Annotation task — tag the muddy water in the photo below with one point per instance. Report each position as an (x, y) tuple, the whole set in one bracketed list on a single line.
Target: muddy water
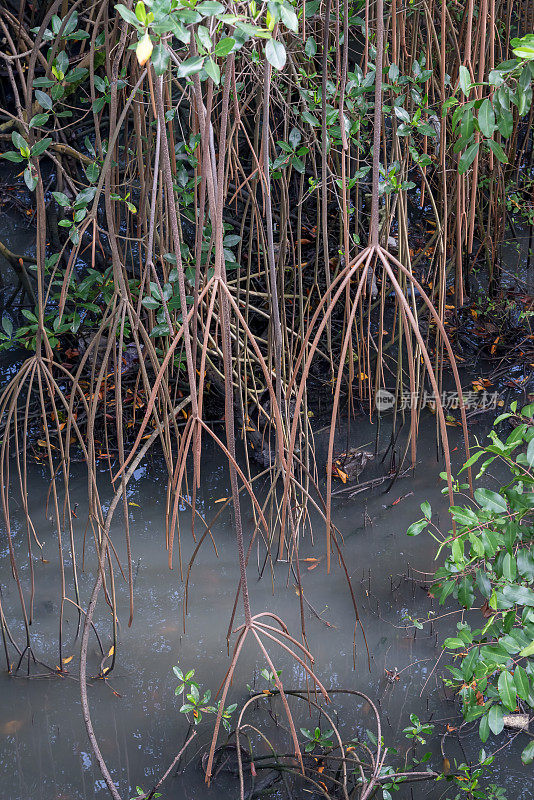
[(44, 752)]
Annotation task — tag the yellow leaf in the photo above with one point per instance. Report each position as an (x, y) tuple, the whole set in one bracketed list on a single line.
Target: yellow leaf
[(144, 48), (68, 660), (134, 504), (221, 500), (111, 650)]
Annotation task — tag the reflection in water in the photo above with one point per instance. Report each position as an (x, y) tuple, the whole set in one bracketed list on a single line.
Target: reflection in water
[(44, 752)]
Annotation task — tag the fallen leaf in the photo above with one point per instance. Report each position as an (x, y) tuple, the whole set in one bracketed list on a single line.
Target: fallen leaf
[(11, 727), (341, 474)]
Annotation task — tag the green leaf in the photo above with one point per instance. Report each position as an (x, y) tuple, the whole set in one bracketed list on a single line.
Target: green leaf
[(61, 199), (40, 146), (310, 119), (231, 240), (416, 527), (527, 756), (44, 100), (160, 59), (525, 564), (426, 509), (99, 104), (18, 141), (505, 122), (275, 52), (310, 48), (212, 70), (466, 595), (7, 325), (38, 120), (160, 330), (507, 690), (92, 171), (425, 129), (150, 302), (209, 8), (128, 16), (491, 500), (495, 719), (484, 728), (70, 24), (76, 75), (483, 583), (45, 83), (30, 179), (486, 118), (526, 51), (11, 155), (509, 567), (522, 683), (467, 158), (512, 594), (497, 150), (401, 113), (465, 516), (204, 37), (457, 551), (453, 643), (530, 453), (528, 650), (224, 47), (140, 12), (190, 66), (393, 73), (289, 18), (465, 80)]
